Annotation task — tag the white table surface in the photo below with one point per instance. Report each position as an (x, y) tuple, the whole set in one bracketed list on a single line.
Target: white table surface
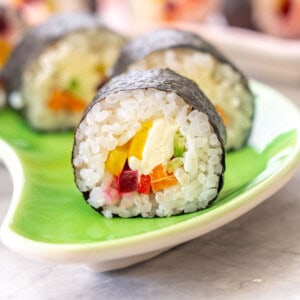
[(255, 257)]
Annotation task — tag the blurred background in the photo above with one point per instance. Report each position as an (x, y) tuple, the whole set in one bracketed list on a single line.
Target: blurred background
[(276, 17), (261, 36)]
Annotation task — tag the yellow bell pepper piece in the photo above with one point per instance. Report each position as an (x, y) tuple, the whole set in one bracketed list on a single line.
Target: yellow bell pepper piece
[(117, 159)]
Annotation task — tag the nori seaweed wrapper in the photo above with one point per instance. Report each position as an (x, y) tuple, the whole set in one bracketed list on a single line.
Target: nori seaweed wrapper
[(38, 39), (168, 81), (163, 39)]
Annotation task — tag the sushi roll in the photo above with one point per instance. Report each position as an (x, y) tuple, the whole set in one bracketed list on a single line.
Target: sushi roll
[(278, 17), (149, 144), (191, 56), (35, 12), (57, 67), (172, 10)]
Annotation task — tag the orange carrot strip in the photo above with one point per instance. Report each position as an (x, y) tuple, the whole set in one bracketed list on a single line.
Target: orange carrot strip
[(163, 183), (157, 173), (160, 179), (64, 100), (222, 114)]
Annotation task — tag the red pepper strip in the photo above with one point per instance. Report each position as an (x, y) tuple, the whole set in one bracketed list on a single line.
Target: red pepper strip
[(144, 184)]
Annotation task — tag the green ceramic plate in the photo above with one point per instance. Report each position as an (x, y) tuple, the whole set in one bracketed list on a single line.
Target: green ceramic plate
[(48, 218)]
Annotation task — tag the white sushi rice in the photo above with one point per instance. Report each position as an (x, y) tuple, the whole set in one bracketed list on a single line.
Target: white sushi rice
[(219, 81), (76, 56), (112, 123)]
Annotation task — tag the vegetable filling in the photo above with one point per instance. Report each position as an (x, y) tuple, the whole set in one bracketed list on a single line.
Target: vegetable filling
[(146, 163)]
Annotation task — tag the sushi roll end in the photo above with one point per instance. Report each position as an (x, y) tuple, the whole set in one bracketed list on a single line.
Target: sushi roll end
[(57, 67), (149, 144)]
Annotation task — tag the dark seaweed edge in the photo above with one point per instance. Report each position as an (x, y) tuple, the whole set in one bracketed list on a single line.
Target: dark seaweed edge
[(168, 81), (162, 39)]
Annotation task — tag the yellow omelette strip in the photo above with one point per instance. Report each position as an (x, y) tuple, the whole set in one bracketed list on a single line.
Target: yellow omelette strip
[(138, 142)]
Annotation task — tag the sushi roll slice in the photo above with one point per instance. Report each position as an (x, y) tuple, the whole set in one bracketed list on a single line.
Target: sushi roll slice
[(191, 56), (278, 17), (57, 67), (149, 144)]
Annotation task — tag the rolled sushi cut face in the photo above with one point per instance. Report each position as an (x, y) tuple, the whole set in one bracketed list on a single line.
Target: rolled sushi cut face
[(190, 56), (59, 84), (57, 68), (146, 151)]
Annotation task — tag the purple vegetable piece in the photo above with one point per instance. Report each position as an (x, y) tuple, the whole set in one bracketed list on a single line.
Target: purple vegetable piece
[(128, 181)]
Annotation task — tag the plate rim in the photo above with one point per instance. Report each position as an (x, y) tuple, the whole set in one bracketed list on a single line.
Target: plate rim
[(145, 242)]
